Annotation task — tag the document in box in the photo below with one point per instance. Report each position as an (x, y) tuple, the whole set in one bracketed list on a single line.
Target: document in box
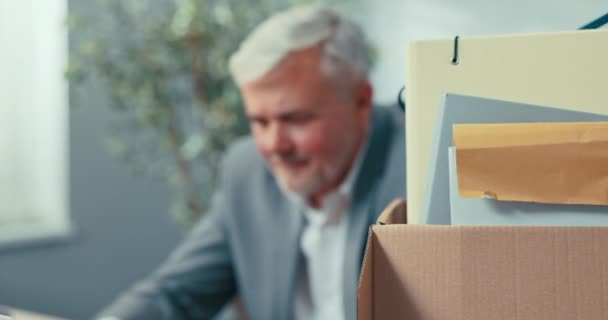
[(460, 109), (475, 211), (562, 69), (563, 163)]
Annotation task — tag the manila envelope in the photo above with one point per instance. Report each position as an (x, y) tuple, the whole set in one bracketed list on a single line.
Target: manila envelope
[(560, 163)]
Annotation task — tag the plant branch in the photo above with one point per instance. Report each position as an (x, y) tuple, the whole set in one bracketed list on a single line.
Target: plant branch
[(182, 164)]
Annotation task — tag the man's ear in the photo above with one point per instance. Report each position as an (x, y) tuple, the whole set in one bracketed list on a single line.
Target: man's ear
[(364, 97), (365, 94), (363, 103)]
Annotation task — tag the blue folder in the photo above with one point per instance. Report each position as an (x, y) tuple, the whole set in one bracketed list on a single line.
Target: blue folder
[(459, 109)]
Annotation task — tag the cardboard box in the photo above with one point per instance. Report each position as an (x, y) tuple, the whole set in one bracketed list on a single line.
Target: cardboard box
[(428, 272)]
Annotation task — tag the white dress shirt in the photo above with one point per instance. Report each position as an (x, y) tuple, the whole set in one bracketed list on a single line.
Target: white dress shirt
[(319, 294)]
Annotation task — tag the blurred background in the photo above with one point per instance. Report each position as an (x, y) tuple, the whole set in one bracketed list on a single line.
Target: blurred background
[(114, 115)]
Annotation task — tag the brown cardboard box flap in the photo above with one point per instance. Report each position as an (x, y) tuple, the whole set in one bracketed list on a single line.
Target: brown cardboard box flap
[(427, 272), (563, 163), (394, 213), (365, 290)]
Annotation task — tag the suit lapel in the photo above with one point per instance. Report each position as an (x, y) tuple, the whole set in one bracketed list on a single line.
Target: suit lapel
[(288, 229), (363, 205)]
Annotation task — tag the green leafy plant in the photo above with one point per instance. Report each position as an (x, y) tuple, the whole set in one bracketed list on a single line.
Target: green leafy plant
[(164, 67)]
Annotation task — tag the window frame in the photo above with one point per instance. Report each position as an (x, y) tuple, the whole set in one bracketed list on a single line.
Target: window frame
[(43, 179)]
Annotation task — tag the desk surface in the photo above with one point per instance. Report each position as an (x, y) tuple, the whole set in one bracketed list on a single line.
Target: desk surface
[(17, 314)]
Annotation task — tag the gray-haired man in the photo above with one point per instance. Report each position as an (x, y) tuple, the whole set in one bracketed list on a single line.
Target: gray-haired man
[(287, 229)]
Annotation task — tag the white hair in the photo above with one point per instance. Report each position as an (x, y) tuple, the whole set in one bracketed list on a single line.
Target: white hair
[(345, 48)]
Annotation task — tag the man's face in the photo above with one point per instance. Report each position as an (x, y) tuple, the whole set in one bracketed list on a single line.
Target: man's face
[(307, 129)]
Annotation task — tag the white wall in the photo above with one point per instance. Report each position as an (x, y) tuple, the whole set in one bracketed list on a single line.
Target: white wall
[(391, 24)]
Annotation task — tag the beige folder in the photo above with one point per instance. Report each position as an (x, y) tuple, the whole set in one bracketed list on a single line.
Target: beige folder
[(567, 70)]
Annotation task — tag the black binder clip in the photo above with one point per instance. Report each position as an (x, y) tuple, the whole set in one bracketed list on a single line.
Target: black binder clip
[(455, 57)]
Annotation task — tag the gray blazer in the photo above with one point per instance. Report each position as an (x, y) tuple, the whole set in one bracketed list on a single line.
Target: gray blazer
[(249, 241)]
